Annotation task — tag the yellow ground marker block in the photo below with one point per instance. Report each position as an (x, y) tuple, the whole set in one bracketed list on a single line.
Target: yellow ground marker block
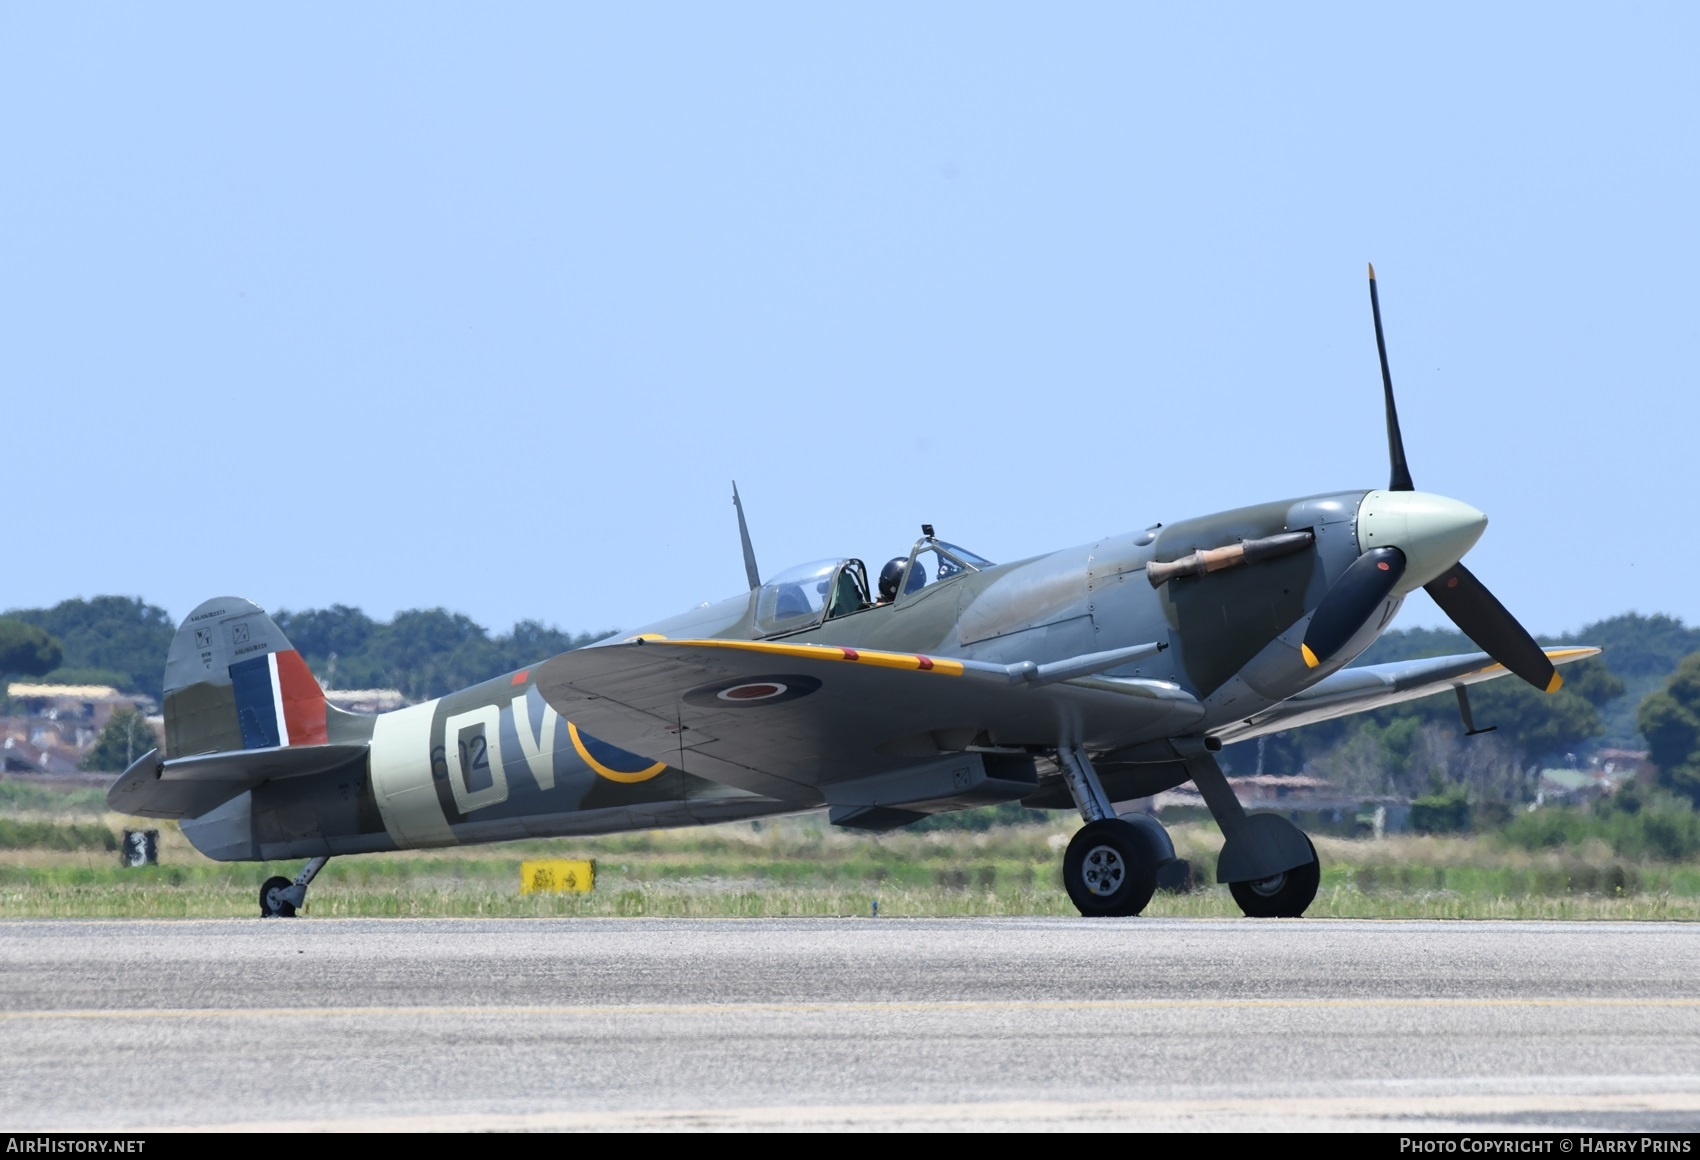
[(557, 876)]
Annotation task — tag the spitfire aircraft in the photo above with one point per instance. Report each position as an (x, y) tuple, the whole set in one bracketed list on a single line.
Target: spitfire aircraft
[(1093, 675)]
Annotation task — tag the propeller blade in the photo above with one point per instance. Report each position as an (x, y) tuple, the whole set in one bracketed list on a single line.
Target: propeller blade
[(1496, 632), (1352, 600), (1395, 441)]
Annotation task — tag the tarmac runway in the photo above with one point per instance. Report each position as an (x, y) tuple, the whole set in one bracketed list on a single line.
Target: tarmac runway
[(853, 1023)]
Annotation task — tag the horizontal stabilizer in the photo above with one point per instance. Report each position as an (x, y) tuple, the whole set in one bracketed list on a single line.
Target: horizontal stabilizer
[(186, 787)]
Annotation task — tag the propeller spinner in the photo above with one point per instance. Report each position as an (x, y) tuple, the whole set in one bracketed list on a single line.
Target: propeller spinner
[(1412, 538)]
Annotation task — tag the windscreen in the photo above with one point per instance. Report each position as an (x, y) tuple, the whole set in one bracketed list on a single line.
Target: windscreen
[(796, 597)]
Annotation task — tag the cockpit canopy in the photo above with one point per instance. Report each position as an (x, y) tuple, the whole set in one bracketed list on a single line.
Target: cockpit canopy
[(933, 562), (809, 594)]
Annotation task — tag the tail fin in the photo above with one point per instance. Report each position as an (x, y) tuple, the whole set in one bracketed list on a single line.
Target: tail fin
[(232, 681)]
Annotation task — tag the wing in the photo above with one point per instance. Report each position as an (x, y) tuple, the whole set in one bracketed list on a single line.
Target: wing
[(1359, 690), (187, 787), (786, 720)]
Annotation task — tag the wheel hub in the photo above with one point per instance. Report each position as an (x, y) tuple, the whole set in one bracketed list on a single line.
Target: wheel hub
[(1103, 871), (1269, 887)]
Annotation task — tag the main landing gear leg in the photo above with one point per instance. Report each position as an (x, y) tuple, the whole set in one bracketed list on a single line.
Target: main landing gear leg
[(1269, 865), (281, 898), (1110, 867)]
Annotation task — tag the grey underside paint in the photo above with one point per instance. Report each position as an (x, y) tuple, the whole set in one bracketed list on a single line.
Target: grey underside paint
[(277, 822)]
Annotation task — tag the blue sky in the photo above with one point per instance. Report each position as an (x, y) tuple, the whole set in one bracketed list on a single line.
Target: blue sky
[(414, 305)]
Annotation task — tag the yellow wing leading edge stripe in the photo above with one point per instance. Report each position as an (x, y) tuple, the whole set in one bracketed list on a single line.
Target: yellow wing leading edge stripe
[(1557, 656), (914, 662), (923, 663)]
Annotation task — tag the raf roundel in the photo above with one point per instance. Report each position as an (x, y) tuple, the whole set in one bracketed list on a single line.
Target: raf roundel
[(748, 692), (753, 691)]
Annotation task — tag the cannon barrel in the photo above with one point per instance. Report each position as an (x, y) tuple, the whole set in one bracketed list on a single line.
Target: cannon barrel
[(1230, 556)]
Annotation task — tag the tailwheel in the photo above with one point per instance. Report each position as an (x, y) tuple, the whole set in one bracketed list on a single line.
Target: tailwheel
[(1109, 869), (1283, 895), (274, 902)]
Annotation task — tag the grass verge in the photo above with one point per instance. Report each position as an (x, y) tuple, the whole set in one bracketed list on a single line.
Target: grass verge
[(802, 867)]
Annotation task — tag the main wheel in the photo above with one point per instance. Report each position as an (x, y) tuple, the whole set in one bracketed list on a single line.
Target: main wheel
[(1109, 869), (272, 902), (1285, 895)]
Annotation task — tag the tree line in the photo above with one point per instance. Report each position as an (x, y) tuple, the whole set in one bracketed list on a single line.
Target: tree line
[(1641, 693), (424, 652)]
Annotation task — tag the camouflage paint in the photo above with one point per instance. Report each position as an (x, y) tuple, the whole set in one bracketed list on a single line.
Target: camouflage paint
[(488, 763), (497, 762)]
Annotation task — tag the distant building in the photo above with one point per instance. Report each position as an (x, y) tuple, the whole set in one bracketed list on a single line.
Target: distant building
[(91, 705), (19, 756), (59, 724), (1621, 762), (1261, 789), (1312, 802), (54, 726)]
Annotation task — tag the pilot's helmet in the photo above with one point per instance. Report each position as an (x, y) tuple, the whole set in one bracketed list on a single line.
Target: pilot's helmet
[(889, 576)]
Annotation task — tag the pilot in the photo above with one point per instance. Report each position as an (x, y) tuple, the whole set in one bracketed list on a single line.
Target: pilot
[(889, 577), (917, 576)]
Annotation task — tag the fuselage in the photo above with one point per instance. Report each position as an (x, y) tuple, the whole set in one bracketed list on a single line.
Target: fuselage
[(1226, 634), (495, 762)]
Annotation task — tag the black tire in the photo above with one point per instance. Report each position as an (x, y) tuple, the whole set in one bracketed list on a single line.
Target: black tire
[(271, 904), (1286, 895), (1109, 869)]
